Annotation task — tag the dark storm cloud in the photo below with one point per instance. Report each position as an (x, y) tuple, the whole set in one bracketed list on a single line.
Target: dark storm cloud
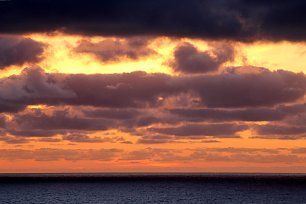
[(39, 123), (32, 86), (226, 130), (297, 118), (136, 89), (238, 19), (214, 114), (83, 138), (58, 120), (114, 50), (113, 113), (75, 123), (230, 89), (11, 107), (234, 89), (280, 130), (291, 127), (18, 51), (188, 59), (292, 114), (3, 120), (129, 118)]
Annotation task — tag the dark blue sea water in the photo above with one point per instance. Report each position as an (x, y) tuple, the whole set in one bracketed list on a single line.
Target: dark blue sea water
[(152, 188)]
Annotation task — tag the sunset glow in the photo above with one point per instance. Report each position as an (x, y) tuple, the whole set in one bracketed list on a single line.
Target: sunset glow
[(74, 99)]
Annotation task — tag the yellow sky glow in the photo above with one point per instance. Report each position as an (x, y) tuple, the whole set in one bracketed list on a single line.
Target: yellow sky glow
[(60, 57)]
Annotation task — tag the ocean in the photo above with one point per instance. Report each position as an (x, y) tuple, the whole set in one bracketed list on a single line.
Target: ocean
[(152, 188)]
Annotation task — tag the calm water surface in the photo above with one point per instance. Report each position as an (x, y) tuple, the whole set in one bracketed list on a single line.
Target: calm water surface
[(149, 188)]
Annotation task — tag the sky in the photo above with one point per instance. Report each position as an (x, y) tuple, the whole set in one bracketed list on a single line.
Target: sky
[(152, 86)]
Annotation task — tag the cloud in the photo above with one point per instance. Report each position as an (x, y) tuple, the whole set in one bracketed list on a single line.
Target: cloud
[(13, 140), (217, 114), (230, 155), (148, 154), (49, 139), (83, 138), (138, 102), (140, 89), (226, 130), (48, 154), (75, 122), (113, 113), (134, 89), (234, 89), (39, 123), (244, 150), (248, 158), (114, 50), (28, 132), (300, 150), (280, 130), (32, 86), (9, 107), (161, 155), (188, 59), (128, 119), (291, 127), (291, 114), (131, 102), (237, 20), (156, 139), (18, 51)]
